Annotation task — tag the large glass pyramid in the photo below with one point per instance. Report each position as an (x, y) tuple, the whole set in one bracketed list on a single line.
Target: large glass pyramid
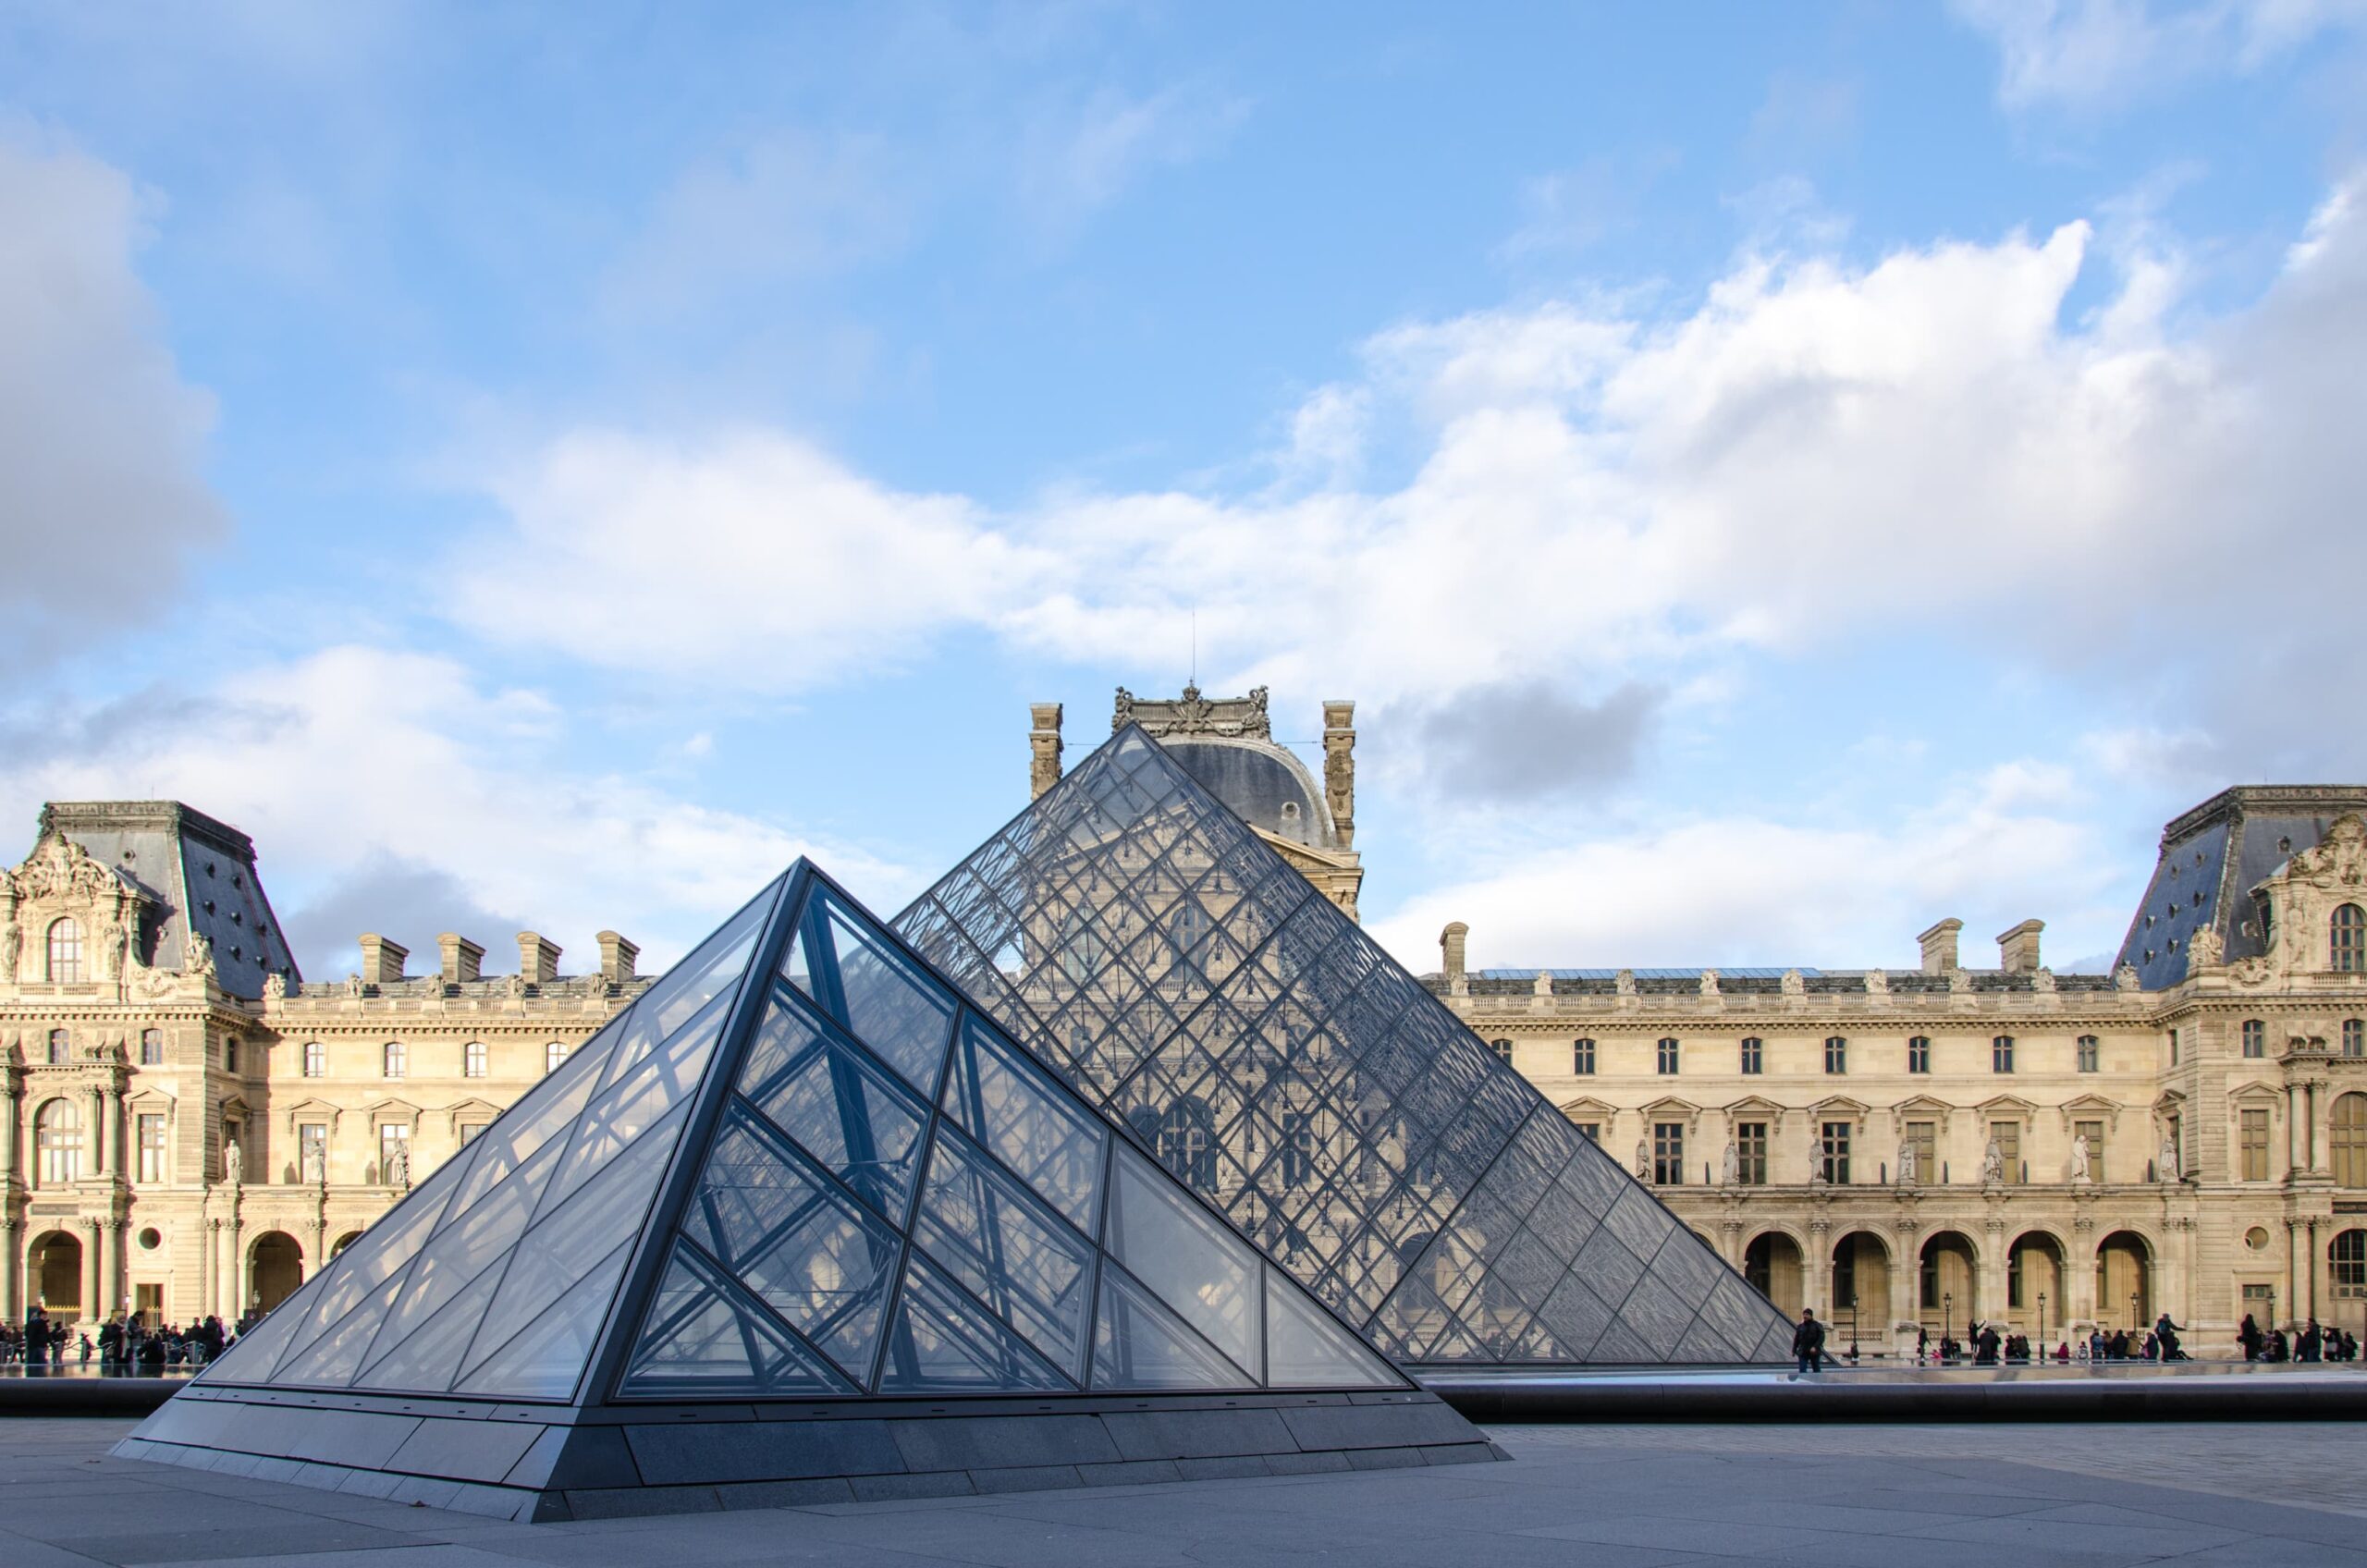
[(1178, 973), (836, 1180)]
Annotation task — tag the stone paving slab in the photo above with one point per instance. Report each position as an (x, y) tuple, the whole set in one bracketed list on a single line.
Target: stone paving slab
[(2225, 1496)]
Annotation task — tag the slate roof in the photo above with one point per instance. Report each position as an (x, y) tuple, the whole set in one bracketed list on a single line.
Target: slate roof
[(201, 873)]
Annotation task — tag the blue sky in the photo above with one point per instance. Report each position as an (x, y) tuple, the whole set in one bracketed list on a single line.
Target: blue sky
[(1770, 476)]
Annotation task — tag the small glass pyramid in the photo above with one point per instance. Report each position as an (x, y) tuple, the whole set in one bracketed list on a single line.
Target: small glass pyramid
[(1178, 974), (839, 1179)]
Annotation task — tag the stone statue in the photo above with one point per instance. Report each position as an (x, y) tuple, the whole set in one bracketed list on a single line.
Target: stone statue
[(1993, 1162), (275, 987), (233, 1162), (315, 1166), (1794, 984), (2167, 1166), (1643, 1160), (2043, 981), (1709, 983), (8, 935), (2080, 1158), (398, 1171), (1817, 1175), (1877, 983), (2204, 949), (1623, 983), (199, 956), (1543, 985), (1731, 1174), (1906, 1163)]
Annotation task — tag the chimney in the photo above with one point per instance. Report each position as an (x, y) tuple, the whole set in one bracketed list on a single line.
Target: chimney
[(537, 957), (1340, 768), (616, 958), (1940, 947), (1044, 744), (2018, 948), (1451, 946), (381, 961), (463, 959)]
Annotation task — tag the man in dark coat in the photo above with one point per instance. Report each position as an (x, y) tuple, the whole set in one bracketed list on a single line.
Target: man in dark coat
[(1807, 1342), (2249, 1337)]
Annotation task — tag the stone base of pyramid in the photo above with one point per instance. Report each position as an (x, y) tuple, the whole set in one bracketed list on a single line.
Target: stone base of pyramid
[(541, 1463)]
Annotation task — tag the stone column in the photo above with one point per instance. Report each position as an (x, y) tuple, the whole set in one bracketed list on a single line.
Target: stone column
[(113, 1099), (12, 1298), (2295, 1162), (235, 1268), (2310, 1273), (12, 1122), (208, 1239), (111, 1290), (2080, 1270), (2316, 1145), (94, 1284), (1906, 1285), (2292, 1273)]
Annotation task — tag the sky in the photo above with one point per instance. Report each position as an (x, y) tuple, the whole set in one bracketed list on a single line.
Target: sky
[(1770, 477)]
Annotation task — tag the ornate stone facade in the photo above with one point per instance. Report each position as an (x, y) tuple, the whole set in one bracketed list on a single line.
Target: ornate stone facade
[(1908, 1149), (182, 1132)]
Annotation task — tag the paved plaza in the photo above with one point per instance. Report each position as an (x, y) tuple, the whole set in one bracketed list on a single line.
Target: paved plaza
[(1609, 1497)]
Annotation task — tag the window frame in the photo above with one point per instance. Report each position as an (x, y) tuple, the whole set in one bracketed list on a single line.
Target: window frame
[(1832, 1151), (1668, 1154), (2090, 1054), (1836, 1055), (2251, 1144), (152, 1047), (150, 1155), (2001, 1055), (394, 1060), (1919, 1055), (1754, 1056), (1750, 1154), (2347, 940), (554, 1056), (314, 1061), (62, 951), (2254, 1036), (1667, 1056), (475, 1059), (1582, 1057)]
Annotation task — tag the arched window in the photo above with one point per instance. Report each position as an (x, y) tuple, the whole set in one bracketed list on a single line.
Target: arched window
[(58, 1143), (2348, 1253), (2255, 1037), (60, 1049), (1582, 1058), (1187, 926), (472, 1059), (2349, 939), (1667, 1055), (1080, 948), (1504, 1049), (2349, 1140), (391, 1061), (152, 1047), (316, 1059), (553, 1054), (2000, 1054), (1919, 1054), (1187, 1143), (66, 950)]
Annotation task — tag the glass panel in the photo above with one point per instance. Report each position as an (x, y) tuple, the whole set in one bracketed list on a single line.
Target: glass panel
[(842, 1110), (547, 1114), (1012, 1253), (334, 1356), (664, 1080), (552, 1261), (704, 1338), (465, 1249), (943, 1342), (1189, 1261), (883, 1000), (545, 1360), (430, 1359), (1009, 1105), (806, 1250), (710, 970), (1306, 1349), (1137, 1344)]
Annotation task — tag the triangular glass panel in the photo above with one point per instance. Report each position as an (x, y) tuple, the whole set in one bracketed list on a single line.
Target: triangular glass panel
[(1031, 1125), (1306, 1348), (545, 1358), (1138, 1344), (707, 1338), (1287, 1068), (1008, 1249), (425, 1361), (944, 1342), (839, 1104), (1190, 1259), (873, 991)]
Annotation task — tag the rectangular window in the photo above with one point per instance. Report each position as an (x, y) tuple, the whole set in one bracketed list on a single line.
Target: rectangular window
[(316, 1059), (152, 1047), (1751, 1148), (1919, 1055), (393, 1148), (2009, 1138), (230, 1053), (1504, 1049), (392, 1061), (2354, 1037), (2255, 1038), (2094, 1132), (2000, 1054), (1298, 1147), (2258, 1300), (2253, 1140), (1667, 1055), (1836, 1153), (472, 1059), (58, 1051), (1844, 1277), (1582, 1058), (152, 1148), (2014, 1278), (2088, 1051), (1837, 1054), (1924, 1137), (1668, 1153), (311, 1150), (1754, 1055), (2174, 1047), (1592, 1131), (469, 1131)]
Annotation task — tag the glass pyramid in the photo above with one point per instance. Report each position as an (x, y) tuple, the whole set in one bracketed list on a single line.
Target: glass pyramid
[(1178, 973), (801, 1167)]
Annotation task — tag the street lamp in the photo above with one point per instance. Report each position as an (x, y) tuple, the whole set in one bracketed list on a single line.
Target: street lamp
[(1947, 1317), (2042, 1325), (2136, 1315)]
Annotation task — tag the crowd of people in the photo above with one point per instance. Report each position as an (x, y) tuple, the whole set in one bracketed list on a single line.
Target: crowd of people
[(2309, 1342), (125, 1343)]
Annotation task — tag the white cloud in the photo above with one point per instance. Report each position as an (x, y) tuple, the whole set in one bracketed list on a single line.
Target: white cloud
[(2098, 52), (102, 499), (1731, 891), (1077, 157), (361, 768), (1816, 452)]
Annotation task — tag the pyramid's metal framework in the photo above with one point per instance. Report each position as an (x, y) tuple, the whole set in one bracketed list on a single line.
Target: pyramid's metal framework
[(1178, 973), (799, 1225)]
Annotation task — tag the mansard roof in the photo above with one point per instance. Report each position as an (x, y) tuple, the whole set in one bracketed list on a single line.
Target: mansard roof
[(200, 874)]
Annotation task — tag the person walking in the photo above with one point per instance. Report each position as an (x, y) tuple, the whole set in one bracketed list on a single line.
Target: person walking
[(2249, 1337), (1807, 1343), (2167, 1332)]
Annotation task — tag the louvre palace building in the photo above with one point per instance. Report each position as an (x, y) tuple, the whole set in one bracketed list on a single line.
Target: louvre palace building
[(190, 1127)]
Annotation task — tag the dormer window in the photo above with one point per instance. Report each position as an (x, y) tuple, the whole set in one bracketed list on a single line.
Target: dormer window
[(65, 952), (2349, 939)]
